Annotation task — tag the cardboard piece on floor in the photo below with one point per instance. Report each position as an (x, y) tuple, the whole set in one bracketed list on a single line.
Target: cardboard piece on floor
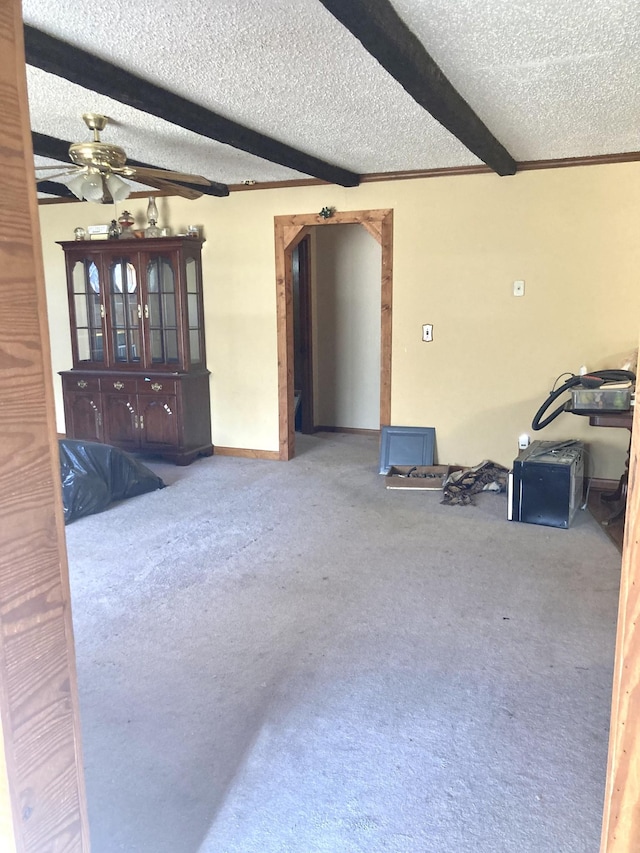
[(424, 477)]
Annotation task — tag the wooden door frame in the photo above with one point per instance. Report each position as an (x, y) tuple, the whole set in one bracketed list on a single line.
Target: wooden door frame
[(289, 230), (42, 795), (621, 818)]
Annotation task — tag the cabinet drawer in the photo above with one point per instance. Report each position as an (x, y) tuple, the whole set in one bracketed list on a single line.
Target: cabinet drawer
[(157, 385), (80, 383), (119, 384)]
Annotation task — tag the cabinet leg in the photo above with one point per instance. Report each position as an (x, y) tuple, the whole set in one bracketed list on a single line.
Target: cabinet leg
[(187, 457)]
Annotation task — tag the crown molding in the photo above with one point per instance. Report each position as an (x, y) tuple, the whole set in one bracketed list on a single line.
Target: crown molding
[(415, 174)]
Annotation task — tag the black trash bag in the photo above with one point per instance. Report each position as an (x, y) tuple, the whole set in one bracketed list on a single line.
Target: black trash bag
[(94, 475)]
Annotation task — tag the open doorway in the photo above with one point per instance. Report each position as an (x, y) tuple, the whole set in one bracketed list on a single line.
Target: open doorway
[(336, 330), (303, 336), (289, 232)]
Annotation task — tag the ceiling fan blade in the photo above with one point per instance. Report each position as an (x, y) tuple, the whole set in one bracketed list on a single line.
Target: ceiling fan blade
[(167, 186), (163, 175), (60, 167), (65, 173)]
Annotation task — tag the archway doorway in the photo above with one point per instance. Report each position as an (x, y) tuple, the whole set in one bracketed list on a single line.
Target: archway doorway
[(289, 231)]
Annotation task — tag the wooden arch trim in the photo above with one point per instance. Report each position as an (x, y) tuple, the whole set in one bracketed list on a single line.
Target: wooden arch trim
[(289, 231)]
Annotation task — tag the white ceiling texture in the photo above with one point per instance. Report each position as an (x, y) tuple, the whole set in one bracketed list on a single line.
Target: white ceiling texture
[(550, 79)]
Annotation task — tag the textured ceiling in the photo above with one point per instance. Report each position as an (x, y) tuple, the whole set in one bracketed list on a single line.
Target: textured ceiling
[(550, 78)]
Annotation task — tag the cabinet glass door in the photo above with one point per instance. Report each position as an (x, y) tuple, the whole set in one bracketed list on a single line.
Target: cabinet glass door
[(195, 321), (88, 310), (126, 312), (162, 311)]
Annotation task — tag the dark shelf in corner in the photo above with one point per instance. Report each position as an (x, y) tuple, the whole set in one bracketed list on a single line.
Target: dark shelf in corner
[(602, 511)]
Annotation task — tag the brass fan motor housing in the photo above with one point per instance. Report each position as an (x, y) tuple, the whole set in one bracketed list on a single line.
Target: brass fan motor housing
[(107, 159), (98, 154)]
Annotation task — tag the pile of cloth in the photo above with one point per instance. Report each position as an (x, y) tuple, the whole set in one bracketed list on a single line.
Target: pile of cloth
[(460, 486)]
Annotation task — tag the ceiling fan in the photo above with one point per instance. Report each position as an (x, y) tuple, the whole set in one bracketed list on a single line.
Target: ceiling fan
[(99, 168)]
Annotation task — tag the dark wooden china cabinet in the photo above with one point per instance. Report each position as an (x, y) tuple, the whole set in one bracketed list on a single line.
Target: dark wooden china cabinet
[(139, 379)]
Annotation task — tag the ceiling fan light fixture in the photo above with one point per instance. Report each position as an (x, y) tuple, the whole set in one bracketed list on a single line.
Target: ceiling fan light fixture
[(92, 187), (118, 188), (76, 185)]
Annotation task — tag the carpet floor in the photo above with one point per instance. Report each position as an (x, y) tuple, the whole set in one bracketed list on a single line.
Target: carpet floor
[(289, 658)]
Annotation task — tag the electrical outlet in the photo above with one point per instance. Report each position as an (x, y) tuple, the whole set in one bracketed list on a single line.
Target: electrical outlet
[(518, 288), (427, 332)]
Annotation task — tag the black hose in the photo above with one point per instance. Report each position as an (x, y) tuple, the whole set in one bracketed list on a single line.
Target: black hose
[(606, 375)]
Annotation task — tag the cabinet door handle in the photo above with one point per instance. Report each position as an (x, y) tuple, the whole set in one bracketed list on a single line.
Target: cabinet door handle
[(146, 312), (102, 311), (141, 421), (139, 312), (156, 386), (82, 383), (135, 422), (118, 385), (99, 418)]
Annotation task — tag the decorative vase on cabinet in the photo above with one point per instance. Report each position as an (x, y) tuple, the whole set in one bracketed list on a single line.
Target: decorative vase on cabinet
[(139, 379)]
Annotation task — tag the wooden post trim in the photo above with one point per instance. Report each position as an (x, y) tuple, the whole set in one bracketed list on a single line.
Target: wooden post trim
[(386, 233), (42, 797), (284, 318), (621, 819)]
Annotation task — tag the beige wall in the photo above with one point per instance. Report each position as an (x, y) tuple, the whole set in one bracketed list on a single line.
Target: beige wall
[(346, 333), (459, 242)]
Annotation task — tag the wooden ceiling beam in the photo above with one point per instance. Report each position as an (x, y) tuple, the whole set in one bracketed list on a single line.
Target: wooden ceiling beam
[(54, 188), (377, 25), (49, 146), (76, 65), (58, 149)]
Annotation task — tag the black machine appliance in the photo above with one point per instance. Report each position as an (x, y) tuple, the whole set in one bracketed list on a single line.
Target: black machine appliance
[(597, 379), (546, 483)]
